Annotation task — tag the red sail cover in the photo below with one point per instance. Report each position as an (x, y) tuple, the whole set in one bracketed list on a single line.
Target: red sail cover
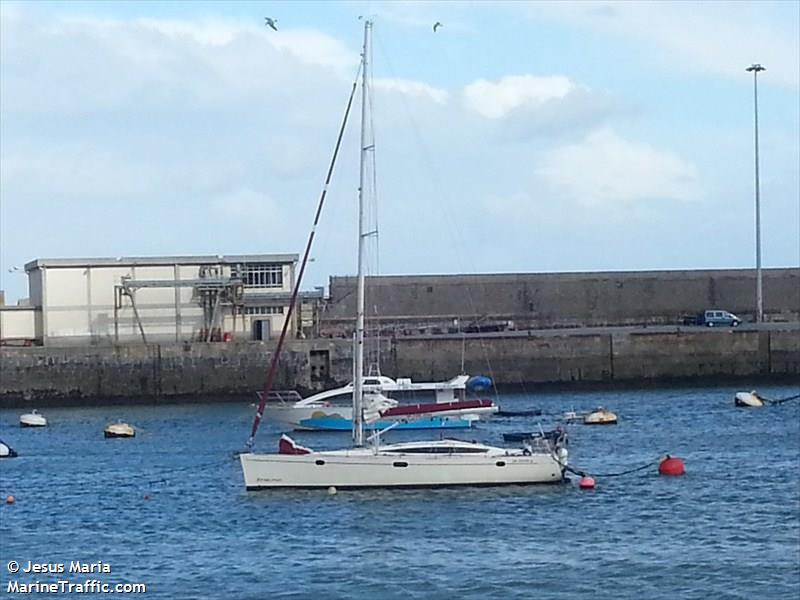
[(287, 445), (434, 407)]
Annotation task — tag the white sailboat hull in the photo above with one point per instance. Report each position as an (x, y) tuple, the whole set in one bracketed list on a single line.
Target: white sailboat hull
[(366, 469)]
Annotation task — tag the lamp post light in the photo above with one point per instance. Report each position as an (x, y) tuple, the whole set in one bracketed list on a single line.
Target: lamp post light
[(755, 69)]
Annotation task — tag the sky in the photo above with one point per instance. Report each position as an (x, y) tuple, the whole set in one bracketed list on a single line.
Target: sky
[(518, 137)]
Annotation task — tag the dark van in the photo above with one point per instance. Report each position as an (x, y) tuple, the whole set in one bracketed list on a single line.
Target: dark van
[(714, 318)]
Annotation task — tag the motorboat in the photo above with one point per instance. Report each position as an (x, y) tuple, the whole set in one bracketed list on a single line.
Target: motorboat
[(32, 419), (369, 463), (600, 416), (119, 430), (557, 435), (750, 399), (332, 410), (532, 412), (7, 451)]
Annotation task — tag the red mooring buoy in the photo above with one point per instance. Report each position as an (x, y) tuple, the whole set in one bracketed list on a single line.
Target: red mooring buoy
[(671, 466), (586, 483)]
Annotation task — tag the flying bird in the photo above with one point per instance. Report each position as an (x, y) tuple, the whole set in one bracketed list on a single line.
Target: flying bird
[(436, 26), (269, 21)]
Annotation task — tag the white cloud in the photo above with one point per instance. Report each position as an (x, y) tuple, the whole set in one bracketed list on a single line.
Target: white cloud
[(102, 64), (605, 168), (495, 100), (412, 88)]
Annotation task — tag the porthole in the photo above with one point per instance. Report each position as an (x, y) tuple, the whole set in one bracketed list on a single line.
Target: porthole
[(400, 463), (319, 462), (501, 463)]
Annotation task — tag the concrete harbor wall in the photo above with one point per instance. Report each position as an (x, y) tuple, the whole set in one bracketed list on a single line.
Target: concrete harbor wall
[(170, 372), (545, 300)]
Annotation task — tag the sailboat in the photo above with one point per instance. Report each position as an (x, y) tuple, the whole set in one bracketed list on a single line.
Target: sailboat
[(369, 463)]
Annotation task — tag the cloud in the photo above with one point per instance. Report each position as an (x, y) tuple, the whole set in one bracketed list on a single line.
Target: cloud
[(720, 38), (521, 106), (106, 64), (412, 88), (605, 168), (495, 100)]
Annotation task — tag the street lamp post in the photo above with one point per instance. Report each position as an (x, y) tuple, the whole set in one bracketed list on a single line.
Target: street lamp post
[(756, 68)]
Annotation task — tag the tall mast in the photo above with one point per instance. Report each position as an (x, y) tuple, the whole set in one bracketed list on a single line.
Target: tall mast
[(358, 363)]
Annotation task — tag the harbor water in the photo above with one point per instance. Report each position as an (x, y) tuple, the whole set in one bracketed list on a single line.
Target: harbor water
[(168, 508)]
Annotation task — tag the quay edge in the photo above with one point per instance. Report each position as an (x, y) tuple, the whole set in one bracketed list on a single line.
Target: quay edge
[(203, 371)]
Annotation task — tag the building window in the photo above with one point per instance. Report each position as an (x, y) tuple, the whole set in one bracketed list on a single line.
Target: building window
[(263, 310), (262, 276)]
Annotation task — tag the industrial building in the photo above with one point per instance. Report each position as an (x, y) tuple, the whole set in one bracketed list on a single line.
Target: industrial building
[(245, 298), (155, 299)]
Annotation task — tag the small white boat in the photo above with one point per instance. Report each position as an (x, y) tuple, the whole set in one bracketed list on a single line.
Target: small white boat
[(6, 451), (32, 419), (750, 399), (119, 430), (572, 416), (600, 416)]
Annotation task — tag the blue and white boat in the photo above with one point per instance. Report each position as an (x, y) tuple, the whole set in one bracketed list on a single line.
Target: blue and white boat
[(332, 410)]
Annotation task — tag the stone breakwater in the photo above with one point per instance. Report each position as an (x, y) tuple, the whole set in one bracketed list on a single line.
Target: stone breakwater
[(174, 372)]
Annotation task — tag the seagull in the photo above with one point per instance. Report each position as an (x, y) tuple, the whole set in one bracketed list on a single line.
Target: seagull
[(269, 21), (436, 26)]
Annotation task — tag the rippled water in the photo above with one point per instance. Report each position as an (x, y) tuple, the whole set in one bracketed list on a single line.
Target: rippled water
[(169, 509)]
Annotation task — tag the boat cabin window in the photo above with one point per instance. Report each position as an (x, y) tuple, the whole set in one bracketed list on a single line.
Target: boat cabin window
[(439, 450), (372, 382), (340, 401)]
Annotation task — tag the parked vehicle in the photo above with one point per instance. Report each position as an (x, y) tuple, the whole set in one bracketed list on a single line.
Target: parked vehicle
[(713, 318)]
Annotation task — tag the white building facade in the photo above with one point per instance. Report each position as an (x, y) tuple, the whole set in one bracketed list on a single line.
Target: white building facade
[(159, 299)]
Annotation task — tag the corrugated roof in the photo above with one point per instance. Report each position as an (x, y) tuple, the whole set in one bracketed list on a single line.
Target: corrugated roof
[(130, 261)]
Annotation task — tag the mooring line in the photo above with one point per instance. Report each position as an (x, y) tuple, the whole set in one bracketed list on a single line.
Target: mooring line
[(582, 473)]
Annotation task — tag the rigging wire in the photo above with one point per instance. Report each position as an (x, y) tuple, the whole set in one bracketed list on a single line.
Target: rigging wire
[(781, 400), (454, 229), (273, 368), (372, 342)]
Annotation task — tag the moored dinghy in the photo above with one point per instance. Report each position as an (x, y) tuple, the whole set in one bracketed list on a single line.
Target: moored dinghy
[(750, 399), (600, 416), (32, 419), (119, 430)]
